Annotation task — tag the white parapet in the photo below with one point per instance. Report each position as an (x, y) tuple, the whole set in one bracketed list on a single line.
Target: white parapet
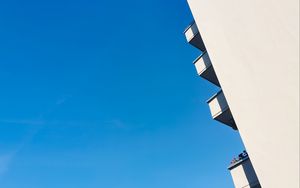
[(220, 110), (243, 174), (193, 36), (205, 69)]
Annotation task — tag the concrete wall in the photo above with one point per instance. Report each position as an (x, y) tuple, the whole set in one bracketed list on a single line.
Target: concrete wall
[(254, 48)]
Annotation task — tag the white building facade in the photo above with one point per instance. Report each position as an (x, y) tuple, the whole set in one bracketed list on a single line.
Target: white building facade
[(251, 50)]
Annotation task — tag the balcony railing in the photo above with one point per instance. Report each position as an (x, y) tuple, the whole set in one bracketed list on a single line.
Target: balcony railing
[(243, 173), (220, 110), (193, 36), (239, 159), (205, 69)]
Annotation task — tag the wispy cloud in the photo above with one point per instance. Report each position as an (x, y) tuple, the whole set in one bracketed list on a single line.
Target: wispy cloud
[(41, 123), (5, 161), (40, 120), (23, 121), (62, 100), (116, 123), (7, 158)]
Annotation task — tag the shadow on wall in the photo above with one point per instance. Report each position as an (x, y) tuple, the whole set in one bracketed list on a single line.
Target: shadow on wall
[(251, 175)]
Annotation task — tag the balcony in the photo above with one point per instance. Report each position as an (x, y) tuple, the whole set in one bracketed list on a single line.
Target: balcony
[(243, 173), (205, 69), (220, 110), (193, 37)]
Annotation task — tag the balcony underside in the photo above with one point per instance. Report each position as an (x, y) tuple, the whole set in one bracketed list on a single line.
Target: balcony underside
[(193, 37), (220, 110), (205, 69), (197, 42), (226, 118), (210, 75)]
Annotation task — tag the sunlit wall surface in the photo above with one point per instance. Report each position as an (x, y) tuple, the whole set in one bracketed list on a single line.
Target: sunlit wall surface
[(254, 48)]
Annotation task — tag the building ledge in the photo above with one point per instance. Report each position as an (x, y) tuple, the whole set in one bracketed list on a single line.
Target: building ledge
[(220, 110), (205, 69), (193, 37)]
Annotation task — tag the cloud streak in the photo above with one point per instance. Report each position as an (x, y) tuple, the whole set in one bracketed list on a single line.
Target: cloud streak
[(23, 121), (5, 161), (7, 158)]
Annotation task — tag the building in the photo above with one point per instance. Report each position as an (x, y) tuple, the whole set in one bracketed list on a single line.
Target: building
[(243, 173), (250, 49)]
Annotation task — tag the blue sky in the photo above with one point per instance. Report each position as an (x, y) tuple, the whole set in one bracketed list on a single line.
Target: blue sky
[(103, 94)]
